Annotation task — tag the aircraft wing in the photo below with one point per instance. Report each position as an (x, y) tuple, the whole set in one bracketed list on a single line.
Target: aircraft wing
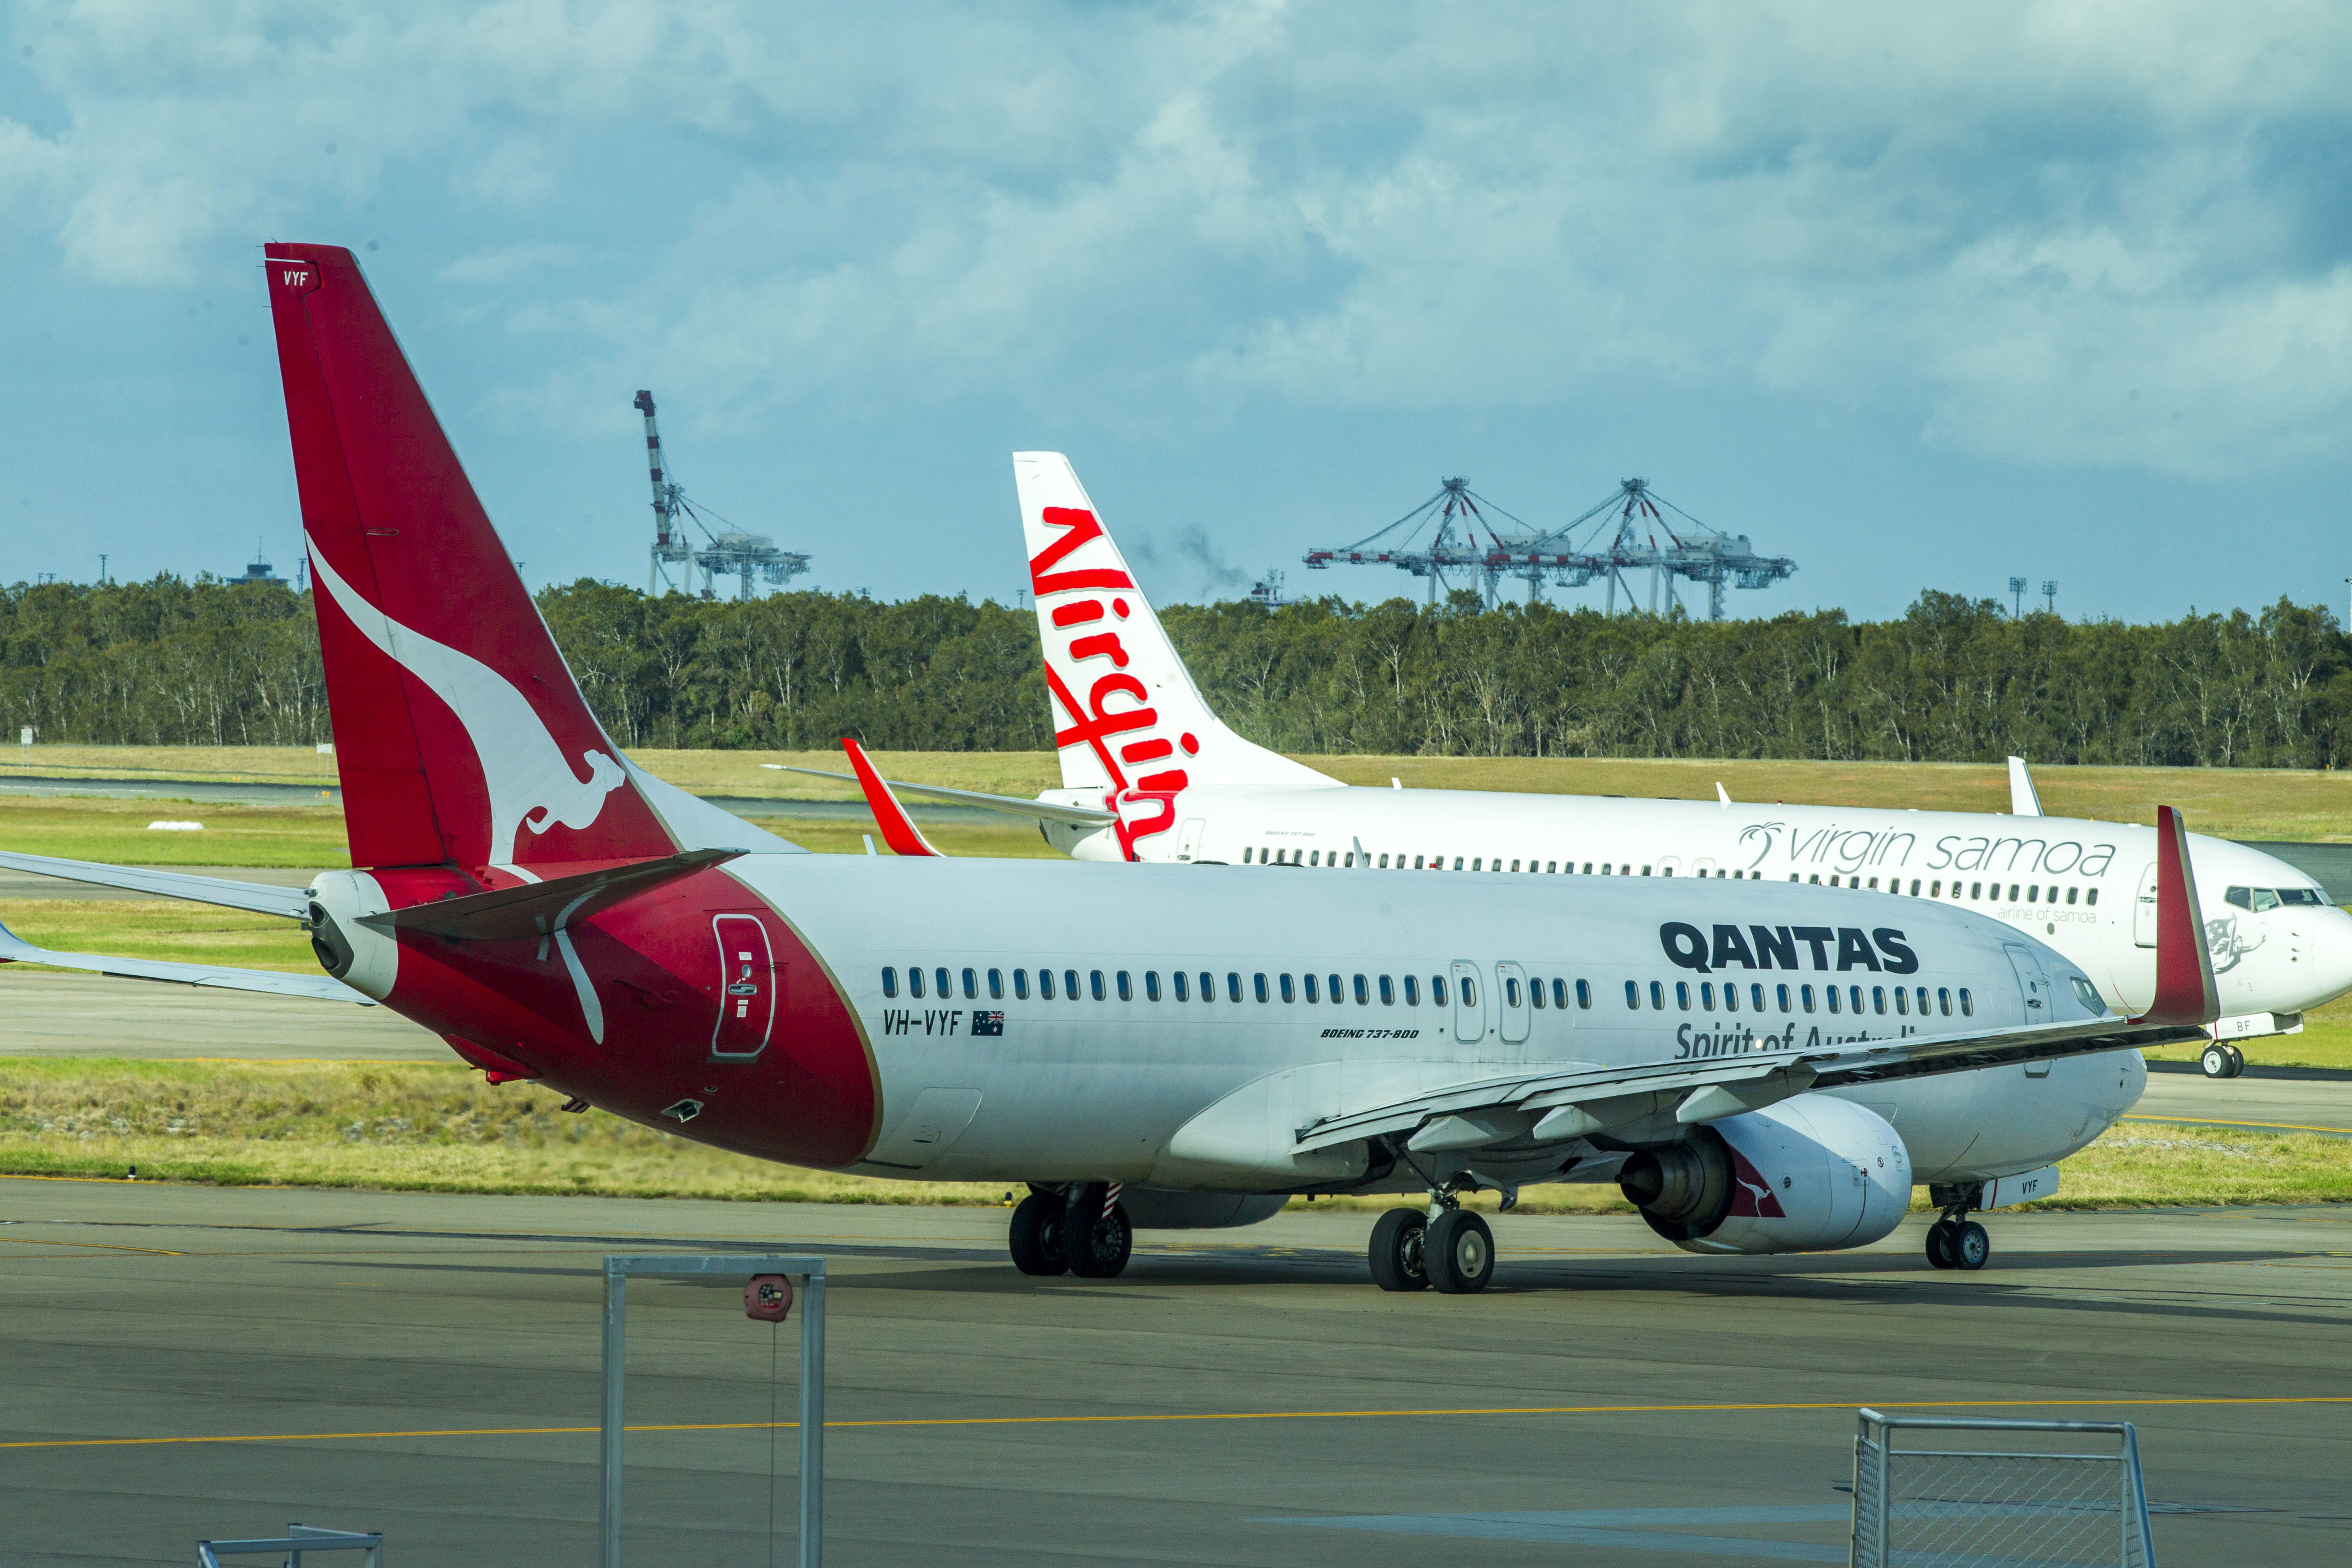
[(257, 897), (1012, 804), (898, 829), (14, 949), (1727, 1086), (2185, 1001)]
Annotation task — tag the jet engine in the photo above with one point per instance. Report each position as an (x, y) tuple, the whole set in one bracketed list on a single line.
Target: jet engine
[(1810, 1174), (1150, 1208)]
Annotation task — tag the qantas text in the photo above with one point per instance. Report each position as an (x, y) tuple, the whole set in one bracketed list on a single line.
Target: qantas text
[(1775, 947)]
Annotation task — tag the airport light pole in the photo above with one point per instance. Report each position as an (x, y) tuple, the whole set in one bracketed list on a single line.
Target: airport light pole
[(2016, 597)]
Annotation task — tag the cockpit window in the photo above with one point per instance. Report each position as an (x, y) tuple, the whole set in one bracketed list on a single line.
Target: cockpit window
[(2242, 897), (2309, 898), (2088, 994), (2258, 900)]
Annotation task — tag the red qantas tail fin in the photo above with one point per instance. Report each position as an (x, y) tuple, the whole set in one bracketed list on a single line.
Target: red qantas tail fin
[(2185, 992), (460, 736)]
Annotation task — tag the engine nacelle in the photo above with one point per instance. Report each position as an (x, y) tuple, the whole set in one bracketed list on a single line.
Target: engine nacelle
[(1155, 1208), (1810, 1174), (360, 956)]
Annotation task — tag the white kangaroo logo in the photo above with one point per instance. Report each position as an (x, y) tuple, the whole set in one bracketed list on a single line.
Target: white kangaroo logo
[(531, 783)]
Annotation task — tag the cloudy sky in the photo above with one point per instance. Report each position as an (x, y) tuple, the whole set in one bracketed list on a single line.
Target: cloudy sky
[(1918, 297)]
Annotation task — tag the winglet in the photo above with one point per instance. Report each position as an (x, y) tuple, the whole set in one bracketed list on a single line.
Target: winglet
[(2185, 992), (2022, 800), (898, 829), (1722, 797)]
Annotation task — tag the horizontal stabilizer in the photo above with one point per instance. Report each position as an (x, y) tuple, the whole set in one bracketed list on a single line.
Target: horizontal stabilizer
[(257, 897), (14, 949), (535, 909), (1011, 805)]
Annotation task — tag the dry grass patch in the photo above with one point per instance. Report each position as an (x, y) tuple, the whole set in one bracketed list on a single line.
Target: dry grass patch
[(412, 1127)]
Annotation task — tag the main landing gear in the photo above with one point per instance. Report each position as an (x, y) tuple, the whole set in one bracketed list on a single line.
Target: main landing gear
[(1955, 1241), (1080, 1228), (2222, 1062), (1448, 1247)]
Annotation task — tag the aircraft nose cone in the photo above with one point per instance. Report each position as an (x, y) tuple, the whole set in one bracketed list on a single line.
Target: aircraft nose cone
[(2328, 951)]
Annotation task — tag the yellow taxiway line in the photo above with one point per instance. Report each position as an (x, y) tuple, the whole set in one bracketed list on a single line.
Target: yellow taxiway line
[(1202, 1416)]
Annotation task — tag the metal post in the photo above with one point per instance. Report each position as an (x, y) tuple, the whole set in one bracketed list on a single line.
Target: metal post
[(813, 1424), (617, 1340)]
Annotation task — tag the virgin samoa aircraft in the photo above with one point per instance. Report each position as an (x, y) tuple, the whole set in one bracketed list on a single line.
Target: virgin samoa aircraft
[(1149, 774), (1759, 1066)]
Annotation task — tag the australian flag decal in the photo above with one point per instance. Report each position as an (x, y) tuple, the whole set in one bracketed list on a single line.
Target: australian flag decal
[(988, 1022)]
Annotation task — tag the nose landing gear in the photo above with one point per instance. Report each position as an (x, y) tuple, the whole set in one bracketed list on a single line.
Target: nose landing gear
[(1955, 1241), (1448, 1247), (2219, 1061)]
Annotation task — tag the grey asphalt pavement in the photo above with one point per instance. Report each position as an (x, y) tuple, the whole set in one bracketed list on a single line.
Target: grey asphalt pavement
[(184, 1362)]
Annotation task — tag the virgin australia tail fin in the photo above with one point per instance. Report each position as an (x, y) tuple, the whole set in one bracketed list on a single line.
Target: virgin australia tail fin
[(1125, 713), (460, 736)]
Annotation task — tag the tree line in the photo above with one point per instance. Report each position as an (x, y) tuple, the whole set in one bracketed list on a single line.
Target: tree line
[(168, 662)]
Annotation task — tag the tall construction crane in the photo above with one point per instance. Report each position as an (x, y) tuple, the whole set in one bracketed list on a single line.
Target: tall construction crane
[(731, 552), (1692, 551)]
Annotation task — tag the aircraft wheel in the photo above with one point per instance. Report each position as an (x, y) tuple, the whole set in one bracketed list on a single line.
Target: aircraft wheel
[(1459, 1253), (2215, 1060), (1939, 1245), (1971, 1246), (1035, 1241), (1096, 1238), (1396, 1251), (2237, 1062)]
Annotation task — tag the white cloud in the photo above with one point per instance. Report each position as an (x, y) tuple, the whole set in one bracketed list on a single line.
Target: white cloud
[(2006, 220)]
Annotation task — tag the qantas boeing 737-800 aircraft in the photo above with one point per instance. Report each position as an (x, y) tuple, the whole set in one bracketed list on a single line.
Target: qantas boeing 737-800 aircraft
[(1149, 774), (1759, 1066)]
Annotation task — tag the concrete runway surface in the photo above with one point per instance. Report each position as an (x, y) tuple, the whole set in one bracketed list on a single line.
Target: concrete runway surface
[(427, 1366)]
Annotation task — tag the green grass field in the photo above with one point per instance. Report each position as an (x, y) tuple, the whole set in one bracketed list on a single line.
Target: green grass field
[(440, 1128), (2231, 802), (425, 1128)]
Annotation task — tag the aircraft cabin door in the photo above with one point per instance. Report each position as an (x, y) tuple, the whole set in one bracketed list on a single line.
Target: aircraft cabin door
[(1469, 1003), (1188, 843), (2032, 983), (2144, 910), (748, 982), (1511, 998)]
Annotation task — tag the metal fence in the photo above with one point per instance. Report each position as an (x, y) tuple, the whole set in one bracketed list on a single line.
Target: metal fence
[(810, 1272), (1951, 1499), (298, 1540)]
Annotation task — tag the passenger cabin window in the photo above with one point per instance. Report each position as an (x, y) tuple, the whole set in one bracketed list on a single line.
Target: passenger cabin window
[(1308, 981), (942, 976), (915, 981), (971, 986), (1968, 1004), (1388, 992), (1125, 988), (1233, 986), (1363, 993), (1510, 991), (889, 981), (1583, 995), (1259, 988), (1339, 991), (1287, 994), (1209, 987), (1805, 995), (1632, 995), (1152, 985), (1437, 990), (1184, 992), (996, 985), (1413, 990), (1045, 984), (1657, 997)]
